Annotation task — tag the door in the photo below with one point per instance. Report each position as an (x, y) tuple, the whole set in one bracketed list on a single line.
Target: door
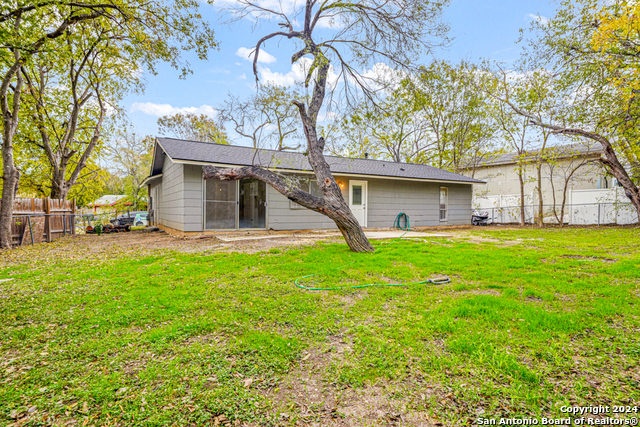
[(220, 204), (252, 206), (358, 201)]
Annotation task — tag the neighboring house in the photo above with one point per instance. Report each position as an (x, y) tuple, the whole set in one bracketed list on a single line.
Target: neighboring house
[(573, 166), (182, 201), (109, 200)]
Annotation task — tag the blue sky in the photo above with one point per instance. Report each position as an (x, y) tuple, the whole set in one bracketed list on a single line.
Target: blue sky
[(482, 29)]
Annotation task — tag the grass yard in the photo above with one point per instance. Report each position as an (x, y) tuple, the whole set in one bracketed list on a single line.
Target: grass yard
[(531, 321)]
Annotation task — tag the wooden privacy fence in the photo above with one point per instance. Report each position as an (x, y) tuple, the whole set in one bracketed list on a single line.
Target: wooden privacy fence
[(42, 220)]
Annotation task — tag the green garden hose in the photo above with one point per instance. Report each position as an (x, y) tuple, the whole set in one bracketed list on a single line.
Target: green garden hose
[(309, 288), (407, 222), (396, 224)]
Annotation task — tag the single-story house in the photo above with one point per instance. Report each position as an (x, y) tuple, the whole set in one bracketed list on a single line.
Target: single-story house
[(181, 201)]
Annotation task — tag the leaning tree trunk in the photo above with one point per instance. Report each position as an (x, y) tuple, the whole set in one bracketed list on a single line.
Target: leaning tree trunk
[(328, 205), (564, 204), (331, 204), (336, 207), (612, 163)]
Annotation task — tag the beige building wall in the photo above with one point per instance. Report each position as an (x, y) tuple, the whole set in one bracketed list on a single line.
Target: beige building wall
[(502, 180)]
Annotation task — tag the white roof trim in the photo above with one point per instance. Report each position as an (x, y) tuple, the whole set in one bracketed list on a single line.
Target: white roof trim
[(148, 179)]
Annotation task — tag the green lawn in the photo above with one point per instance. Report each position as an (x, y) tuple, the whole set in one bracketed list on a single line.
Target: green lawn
[(531, 321)]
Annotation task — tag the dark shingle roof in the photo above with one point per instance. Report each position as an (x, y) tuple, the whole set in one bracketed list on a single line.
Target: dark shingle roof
[(586, 148), (193, 151)]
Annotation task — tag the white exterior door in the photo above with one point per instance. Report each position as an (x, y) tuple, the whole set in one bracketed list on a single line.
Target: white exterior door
[(358, 201)]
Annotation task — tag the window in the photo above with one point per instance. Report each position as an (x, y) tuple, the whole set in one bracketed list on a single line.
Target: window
[(444, 203), (357, 195), (310, 186)]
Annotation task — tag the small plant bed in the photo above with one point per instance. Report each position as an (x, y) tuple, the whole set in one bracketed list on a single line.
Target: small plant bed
[(531, 321)]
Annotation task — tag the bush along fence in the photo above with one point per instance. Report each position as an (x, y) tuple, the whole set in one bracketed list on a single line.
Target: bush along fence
[(574, 214), (42, 220)]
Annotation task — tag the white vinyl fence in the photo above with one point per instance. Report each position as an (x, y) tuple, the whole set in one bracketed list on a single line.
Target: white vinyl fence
[(586, 207)]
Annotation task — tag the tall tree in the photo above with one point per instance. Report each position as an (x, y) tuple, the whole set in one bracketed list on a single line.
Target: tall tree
[(533, 91), (390, 31), (153, 30), (131, 155), (514, 130), (592, 50), (392, 128), (457, 112), (192, 127), (266, 118), (438, 116), (67, 94)]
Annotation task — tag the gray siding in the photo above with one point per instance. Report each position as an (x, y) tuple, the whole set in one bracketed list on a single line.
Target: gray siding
[(172, 197), (460, 197), (280, 216), (419, 200), (386, 199), (193, 195), (181, 202)]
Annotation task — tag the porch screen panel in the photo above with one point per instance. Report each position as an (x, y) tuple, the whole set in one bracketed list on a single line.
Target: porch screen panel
[(220, 204), (252, 203)]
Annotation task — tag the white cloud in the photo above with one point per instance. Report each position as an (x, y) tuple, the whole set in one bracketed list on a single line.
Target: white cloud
[(297, 74), (263, 56), (242, 76), (381, 76), (331, 23), (328, 115), (542, 19), (160, 110)]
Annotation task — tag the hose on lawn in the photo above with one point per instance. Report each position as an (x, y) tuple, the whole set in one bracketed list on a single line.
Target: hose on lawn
[(396, 224), (441, 281)]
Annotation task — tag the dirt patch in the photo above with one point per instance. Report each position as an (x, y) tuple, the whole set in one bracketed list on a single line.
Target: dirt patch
[(351, 299), (86, 247), (472, 238), (306, 397), (565, 297), (589, 258)]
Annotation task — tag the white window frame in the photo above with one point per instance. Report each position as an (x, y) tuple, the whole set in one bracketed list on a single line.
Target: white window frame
[(445, 217)]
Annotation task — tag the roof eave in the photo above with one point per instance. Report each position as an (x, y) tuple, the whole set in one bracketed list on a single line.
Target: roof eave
[(225, 165)]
